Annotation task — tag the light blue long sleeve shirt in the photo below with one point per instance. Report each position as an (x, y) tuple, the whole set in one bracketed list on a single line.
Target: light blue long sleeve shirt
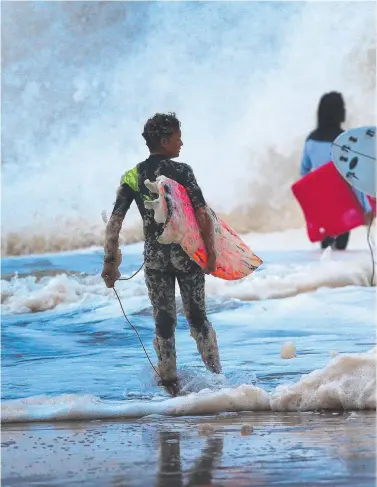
[(316, 154)]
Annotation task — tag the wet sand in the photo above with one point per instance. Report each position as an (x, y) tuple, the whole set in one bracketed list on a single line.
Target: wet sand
[(229, 450)]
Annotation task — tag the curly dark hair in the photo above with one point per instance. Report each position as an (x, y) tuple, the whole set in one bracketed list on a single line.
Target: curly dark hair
[(160, 126)]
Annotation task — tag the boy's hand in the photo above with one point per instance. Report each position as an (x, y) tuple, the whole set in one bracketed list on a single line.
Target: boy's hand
[(211, 264), (110, 274)]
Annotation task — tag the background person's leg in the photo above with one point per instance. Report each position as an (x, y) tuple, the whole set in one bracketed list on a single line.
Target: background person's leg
[(341, 241), (327, 242)]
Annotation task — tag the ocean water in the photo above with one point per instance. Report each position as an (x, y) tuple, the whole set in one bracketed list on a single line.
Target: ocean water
[(68, 353)]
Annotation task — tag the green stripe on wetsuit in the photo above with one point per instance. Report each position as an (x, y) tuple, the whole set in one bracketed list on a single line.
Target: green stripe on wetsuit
[(131, 178)]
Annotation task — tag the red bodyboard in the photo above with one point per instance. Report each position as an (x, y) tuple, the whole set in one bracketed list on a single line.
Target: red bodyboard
[(328, 203)]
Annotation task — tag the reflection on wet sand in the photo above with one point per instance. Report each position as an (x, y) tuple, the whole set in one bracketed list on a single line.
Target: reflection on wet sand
[(226, 450), (170, 469)]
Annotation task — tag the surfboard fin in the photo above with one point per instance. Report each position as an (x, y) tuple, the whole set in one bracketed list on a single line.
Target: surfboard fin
[(153, 188), (160, 210)]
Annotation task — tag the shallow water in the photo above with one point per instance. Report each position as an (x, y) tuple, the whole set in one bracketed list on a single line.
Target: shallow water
[(68, 353)]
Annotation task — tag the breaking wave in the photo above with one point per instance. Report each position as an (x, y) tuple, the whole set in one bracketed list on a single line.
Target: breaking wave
[(245, 81), (36, 293)]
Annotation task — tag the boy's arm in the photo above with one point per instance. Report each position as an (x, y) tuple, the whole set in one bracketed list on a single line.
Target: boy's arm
[(113, 256), (207, 230), (203, 216)]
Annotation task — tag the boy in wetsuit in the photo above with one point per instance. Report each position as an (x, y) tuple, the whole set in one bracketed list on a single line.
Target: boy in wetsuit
[(166, 263)]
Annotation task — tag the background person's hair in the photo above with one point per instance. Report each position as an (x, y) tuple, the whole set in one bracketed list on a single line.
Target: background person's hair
[(160, 126), (331, 111)]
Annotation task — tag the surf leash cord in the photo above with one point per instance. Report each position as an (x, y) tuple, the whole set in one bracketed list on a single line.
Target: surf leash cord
[(129, 322), (371, 251), (133, 275)]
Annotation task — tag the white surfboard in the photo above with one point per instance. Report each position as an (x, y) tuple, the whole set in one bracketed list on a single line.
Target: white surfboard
[(354, 155)]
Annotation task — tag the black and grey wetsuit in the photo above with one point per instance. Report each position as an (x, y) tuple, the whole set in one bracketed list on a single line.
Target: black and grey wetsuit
[(166, 264)]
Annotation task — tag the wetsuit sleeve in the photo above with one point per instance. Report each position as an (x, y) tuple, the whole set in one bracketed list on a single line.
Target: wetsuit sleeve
[(189, 181), (363, 200), (306, 163), (123, 202), (125, 197)]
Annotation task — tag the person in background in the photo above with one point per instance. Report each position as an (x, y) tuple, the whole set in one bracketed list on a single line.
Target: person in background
[(331, 114)]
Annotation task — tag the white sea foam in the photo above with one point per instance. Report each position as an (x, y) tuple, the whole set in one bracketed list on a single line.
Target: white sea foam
[(275, 280), (348, 382)]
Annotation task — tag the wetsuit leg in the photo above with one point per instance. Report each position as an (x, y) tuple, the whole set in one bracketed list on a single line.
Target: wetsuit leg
[(327, 242), (161, 290), (192, 286), (341, 241), (338, 243)]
